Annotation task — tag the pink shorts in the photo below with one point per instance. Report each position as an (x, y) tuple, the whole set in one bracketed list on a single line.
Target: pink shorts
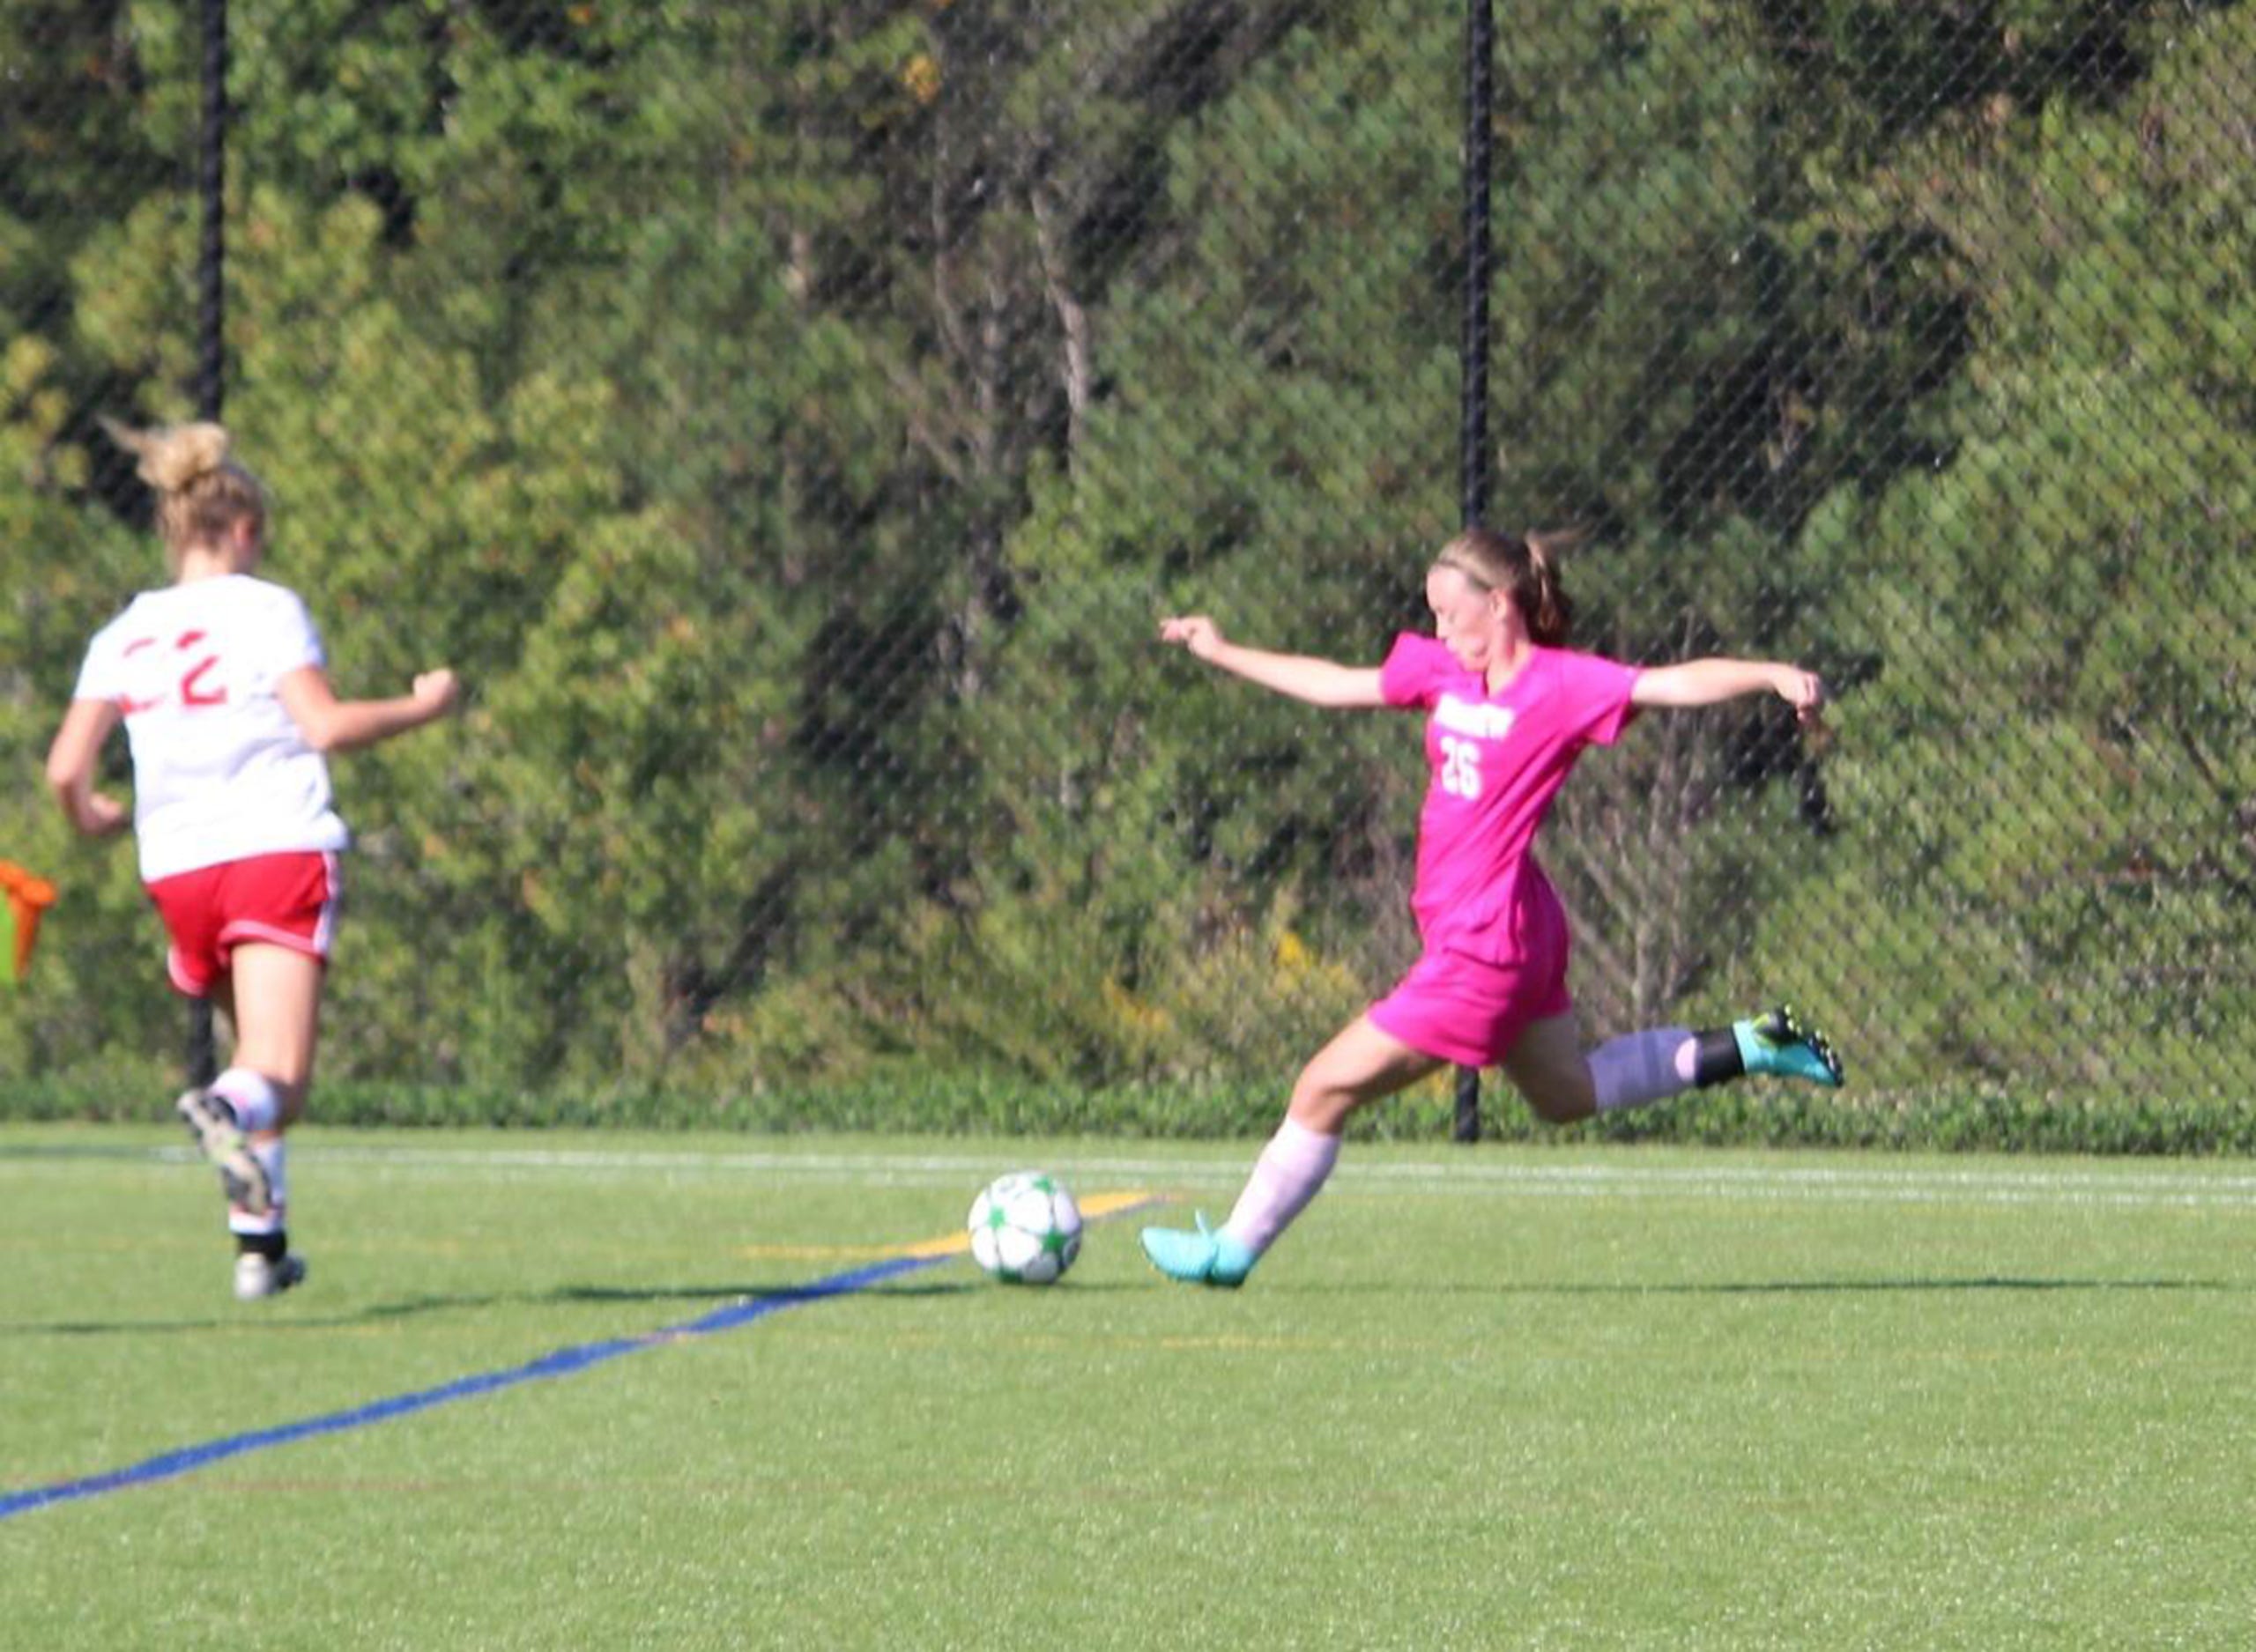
[(1470, 1011), (278, 899)]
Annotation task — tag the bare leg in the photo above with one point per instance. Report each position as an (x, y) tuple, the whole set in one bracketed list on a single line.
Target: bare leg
[(274, 1001), (1360, 1064), (274, 996), (1547, 1066)]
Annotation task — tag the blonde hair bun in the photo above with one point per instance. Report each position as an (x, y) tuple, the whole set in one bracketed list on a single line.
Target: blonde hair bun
[(172, 456)]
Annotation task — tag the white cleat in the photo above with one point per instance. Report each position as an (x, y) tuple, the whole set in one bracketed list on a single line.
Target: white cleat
[(256, 1276)]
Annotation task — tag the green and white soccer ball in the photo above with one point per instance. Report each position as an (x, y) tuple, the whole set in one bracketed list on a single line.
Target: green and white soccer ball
[(1025, 1228)]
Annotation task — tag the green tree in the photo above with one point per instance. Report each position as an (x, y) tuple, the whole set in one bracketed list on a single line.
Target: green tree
[(2049, 881)]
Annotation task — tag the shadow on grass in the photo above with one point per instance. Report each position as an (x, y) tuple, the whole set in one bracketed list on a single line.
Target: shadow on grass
[(1987, 1282), (1779, 1287), (778, 1293), (256, 1318)]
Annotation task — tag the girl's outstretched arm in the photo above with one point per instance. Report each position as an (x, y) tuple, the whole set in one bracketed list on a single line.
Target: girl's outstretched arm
[(1297, 676), (331, 724), (1712, 681)]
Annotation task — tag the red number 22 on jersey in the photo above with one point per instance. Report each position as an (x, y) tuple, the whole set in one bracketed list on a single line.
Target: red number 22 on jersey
[(193, 691)]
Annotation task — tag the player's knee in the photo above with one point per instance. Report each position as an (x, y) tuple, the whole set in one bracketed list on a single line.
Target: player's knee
[(1321, 1107), (1561, 1097), (286, 1089)]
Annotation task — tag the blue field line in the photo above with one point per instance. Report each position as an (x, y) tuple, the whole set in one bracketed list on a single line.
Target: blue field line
[(562, 1362)]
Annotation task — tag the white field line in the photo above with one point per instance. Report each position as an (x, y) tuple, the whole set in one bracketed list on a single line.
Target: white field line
[(2129, 1184)]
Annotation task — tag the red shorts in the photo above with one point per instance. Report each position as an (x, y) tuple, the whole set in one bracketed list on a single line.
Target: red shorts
[(275, 899)]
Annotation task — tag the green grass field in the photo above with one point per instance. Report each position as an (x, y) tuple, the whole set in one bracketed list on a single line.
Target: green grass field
[(1625, 1397)]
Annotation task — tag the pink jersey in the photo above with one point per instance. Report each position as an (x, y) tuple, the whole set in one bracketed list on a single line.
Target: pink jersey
[(1497, 762)]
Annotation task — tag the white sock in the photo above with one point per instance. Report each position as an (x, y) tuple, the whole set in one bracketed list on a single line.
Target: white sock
[(256, 1102), (1291, 1168), (1640, 1067), (269, 1150)]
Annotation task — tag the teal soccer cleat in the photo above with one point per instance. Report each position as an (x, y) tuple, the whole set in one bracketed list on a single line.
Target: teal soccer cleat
[(1782, 1045), (1204, 1257)]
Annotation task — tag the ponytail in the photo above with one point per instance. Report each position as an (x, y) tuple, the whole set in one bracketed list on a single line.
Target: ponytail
[(201, 492), (1525, 568), (1550, 616)]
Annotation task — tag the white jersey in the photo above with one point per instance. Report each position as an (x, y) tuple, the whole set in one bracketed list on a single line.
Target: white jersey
[(220, 771)]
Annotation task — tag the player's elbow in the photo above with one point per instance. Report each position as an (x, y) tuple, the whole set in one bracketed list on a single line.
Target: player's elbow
[(322, 732), (72, 800), (69, 782)]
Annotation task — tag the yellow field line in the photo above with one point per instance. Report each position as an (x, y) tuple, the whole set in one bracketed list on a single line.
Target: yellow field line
[(1095, 1208)]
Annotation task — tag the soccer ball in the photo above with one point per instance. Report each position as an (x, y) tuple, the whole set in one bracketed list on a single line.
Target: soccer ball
[(1025, 1228)]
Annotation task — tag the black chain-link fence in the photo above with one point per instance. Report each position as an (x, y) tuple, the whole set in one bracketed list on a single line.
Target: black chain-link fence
[(793, 419)]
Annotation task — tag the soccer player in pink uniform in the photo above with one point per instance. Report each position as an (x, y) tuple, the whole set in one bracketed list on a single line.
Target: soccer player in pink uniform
[(219, 678), (1510, 709)]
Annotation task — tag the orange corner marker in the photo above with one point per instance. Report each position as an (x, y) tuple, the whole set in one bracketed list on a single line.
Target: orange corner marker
[(27, 897)]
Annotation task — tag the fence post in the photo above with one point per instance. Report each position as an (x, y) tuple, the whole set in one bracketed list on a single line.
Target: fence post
[(210, 388), (1475, 467)]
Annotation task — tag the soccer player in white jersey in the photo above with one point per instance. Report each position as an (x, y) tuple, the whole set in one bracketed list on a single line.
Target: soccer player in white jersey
[(219, 678)]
